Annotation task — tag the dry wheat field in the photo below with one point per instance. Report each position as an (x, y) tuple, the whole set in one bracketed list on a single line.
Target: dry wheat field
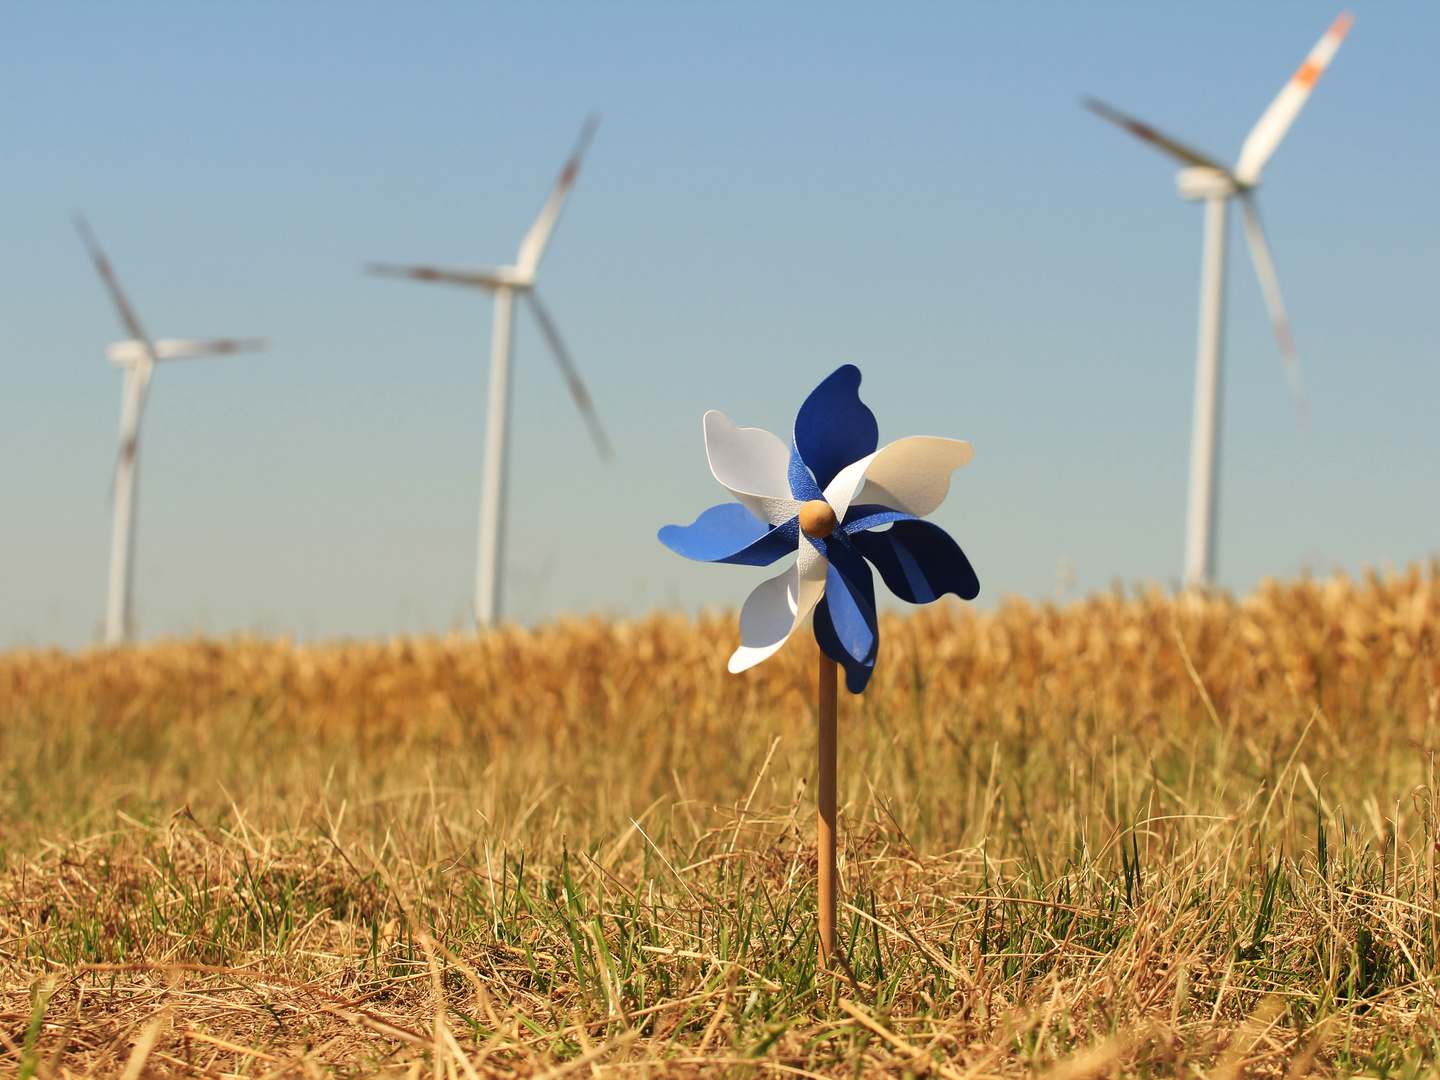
[(1140, 835)]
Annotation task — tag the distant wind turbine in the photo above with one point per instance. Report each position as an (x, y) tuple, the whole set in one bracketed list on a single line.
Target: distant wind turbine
[(1205, 178), (137, 358), (505, 282)]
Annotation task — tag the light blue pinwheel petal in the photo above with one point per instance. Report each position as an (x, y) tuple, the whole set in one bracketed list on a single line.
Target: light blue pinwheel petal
[(919, 562), (729, 533), (834, 428), (857, 672), (850, 587)]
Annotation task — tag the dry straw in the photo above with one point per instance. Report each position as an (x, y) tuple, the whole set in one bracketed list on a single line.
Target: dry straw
[(1137, 835)]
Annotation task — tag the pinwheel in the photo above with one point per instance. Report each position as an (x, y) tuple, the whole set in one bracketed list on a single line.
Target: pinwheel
[(841, 505)]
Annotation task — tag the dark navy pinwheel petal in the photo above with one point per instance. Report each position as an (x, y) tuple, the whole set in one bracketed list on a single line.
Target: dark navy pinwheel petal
[(729, 533), (802, 484), (857, 672), (834, 428), (919, 561)]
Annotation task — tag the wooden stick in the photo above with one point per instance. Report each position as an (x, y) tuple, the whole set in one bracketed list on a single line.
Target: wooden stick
[(825, 797)]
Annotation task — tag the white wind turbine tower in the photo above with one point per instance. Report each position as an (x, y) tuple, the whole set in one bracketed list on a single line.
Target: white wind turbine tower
[(1205, 178), (505, 282), (136, 358)]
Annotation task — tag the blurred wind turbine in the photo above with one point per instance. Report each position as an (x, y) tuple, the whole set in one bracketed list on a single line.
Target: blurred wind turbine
[(137, 358), (504, 283), (1205, 178)]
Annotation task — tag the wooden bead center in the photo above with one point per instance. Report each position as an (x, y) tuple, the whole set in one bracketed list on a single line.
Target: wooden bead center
[(817, 519)]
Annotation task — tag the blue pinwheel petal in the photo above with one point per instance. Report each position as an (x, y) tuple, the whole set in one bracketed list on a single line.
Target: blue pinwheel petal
[(802, 484), (919, 562), (834, 427), (729, 533), (849, 624), (872, 516), (857, 672), (854, 618)]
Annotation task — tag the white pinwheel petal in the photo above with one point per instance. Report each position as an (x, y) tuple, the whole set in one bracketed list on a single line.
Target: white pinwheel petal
[(912, 475), (777, 607), (812, 567), (754, 465)]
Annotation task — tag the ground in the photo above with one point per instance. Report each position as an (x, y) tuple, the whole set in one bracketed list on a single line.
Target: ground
[(1140, 835)]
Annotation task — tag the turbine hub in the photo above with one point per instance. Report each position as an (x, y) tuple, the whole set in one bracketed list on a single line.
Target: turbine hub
[(1203, 182)]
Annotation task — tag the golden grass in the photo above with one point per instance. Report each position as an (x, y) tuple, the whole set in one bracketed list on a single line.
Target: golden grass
[(1138, 836)]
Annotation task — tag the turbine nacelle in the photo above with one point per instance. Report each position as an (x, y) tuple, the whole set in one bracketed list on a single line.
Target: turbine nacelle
[(1205, 182), (124, 354), (511, 277)]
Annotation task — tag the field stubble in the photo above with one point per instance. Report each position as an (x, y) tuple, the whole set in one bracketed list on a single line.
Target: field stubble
[(1138, 835)]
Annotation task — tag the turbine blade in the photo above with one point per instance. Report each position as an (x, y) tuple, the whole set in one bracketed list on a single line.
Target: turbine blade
[(137, 378), (1270, 286), (533, 246), (1158, 139), (1265, 136), (112, 283), (572, 377), (474, 278), (186, 348)]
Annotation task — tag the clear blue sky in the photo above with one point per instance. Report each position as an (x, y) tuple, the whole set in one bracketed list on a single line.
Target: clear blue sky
[(774, 190)]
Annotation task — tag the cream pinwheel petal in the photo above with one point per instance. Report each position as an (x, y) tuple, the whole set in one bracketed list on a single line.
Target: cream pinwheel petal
[(777, 607), (754, 465), (841, 491), (912, 475)]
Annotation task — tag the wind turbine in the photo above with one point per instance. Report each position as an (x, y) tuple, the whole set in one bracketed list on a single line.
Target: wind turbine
[(136, 358), (505, 283), (1205, 178)]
